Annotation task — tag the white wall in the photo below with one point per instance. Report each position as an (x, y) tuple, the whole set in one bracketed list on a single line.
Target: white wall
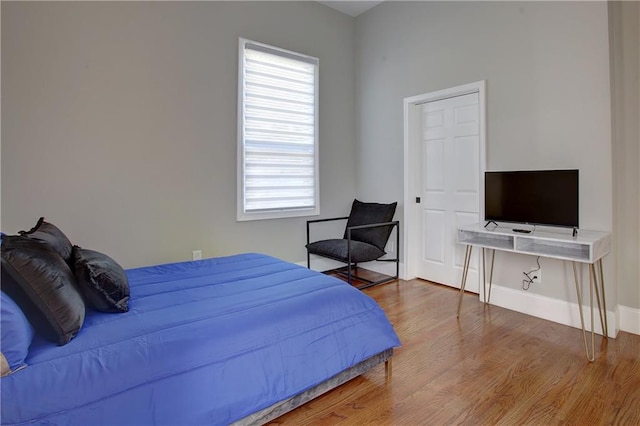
[(547, 70), (119, 122)]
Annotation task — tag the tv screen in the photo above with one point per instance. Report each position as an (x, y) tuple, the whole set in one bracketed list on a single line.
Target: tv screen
[(537, 197)]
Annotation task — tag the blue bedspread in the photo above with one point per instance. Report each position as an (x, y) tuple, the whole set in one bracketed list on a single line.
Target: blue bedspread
[(205, 342)]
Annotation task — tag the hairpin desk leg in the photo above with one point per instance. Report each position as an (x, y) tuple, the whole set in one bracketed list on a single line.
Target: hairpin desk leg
[(596, 283), (484, 276), (487, 295), (465, 270), (602, 308)]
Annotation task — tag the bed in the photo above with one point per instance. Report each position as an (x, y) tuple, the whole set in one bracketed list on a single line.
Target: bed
[(239, 339)]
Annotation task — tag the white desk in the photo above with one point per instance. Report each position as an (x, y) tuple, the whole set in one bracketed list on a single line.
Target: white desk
[(588, 247)]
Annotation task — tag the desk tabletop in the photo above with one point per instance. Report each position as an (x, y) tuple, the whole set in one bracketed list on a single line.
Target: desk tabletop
[(585, 236)]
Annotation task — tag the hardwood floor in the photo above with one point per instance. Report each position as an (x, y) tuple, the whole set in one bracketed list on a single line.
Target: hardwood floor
[(493, 366)]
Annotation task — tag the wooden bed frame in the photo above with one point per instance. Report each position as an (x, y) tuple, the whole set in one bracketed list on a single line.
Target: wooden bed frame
[(278, 409)]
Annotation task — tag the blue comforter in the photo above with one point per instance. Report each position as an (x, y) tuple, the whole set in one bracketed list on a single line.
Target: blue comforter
[(205, 342)]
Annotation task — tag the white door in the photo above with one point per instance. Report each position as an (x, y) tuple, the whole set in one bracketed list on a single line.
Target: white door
[(450, 146)]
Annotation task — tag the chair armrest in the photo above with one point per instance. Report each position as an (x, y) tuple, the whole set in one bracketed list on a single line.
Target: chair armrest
[(374, 225), (323, 220), (327, 220)]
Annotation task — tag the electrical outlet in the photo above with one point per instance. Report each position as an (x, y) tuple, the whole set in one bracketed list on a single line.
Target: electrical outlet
[(197, 255)]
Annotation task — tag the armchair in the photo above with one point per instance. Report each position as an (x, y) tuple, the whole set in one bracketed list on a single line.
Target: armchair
[(369, 226)]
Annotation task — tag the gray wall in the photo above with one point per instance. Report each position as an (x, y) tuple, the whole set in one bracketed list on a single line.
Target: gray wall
[(119, 122), (624, 18), (547, 70)]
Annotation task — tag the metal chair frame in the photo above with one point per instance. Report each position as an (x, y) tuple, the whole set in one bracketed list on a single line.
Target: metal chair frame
[(349, 270)]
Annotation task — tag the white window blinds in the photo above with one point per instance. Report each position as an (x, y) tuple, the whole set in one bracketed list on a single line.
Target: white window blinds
[(278, 128)]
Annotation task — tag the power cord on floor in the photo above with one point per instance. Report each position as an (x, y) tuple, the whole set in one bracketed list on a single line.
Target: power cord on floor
[(526, 282)]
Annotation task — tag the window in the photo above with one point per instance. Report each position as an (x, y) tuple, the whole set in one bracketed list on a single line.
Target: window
[(277, 133)]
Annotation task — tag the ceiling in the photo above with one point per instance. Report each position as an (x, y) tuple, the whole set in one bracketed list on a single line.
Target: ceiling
[(351, 8)]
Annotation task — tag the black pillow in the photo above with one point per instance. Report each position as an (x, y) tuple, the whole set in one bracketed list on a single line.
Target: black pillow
[(102, 282), (50, 234), (42, 284), (369, 213)]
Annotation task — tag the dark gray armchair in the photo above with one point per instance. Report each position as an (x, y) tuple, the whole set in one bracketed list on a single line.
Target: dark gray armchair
[(369, 226)]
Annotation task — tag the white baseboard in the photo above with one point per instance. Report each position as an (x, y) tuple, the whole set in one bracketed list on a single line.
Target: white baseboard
[(628, 319), (623, 318), (555, 310)]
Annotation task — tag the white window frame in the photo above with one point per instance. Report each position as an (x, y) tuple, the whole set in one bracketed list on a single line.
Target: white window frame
[(242, 213)]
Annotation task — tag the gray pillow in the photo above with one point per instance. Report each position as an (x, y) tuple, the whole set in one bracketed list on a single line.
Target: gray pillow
[(101, 280), (51, 235), (42, 284)]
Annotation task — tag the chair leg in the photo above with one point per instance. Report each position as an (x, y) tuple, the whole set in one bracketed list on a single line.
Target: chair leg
[(397, 262), (308, 260)]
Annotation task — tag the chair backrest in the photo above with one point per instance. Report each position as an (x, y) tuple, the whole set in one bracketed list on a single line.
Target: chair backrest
[(366, 214)]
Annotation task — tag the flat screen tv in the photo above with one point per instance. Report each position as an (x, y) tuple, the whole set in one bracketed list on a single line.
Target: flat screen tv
[(537, 197)]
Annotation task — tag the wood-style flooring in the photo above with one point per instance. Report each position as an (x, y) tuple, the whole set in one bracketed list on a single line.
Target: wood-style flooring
[(492, 366)]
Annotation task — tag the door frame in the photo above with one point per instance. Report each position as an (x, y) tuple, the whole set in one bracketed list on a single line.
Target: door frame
[(412, 160)]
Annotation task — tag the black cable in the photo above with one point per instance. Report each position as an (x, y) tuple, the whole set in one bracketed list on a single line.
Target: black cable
[(526, 283)]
